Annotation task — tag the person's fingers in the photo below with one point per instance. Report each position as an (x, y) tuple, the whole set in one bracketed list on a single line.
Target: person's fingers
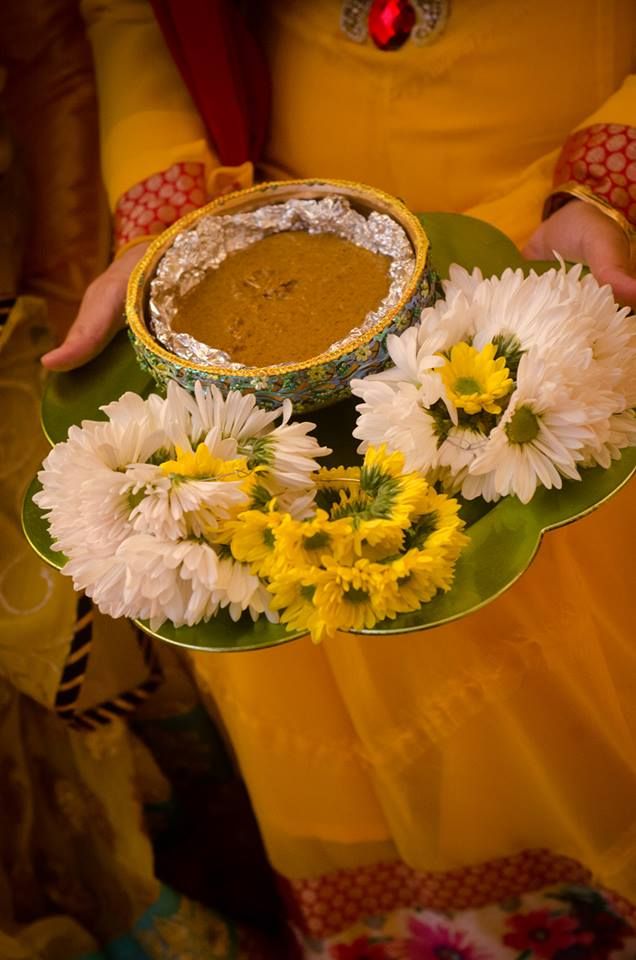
[(536, 247), (581, 233), (100, 316), (623, 285), (608, 255)]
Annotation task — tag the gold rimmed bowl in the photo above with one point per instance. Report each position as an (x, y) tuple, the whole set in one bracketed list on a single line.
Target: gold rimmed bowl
[(317, 381)]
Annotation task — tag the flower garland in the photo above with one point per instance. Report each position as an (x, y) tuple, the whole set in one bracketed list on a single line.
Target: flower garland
[(176, 508), (510, 383)]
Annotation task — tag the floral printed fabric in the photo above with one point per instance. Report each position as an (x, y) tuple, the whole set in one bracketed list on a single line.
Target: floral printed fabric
[(564, 923)]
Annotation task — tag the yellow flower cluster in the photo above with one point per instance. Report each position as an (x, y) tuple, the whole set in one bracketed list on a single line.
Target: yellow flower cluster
[(379, 542)]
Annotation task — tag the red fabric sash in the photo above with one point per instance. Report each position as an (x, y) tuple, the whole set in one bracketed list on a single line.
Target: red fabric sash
[(224, 70)]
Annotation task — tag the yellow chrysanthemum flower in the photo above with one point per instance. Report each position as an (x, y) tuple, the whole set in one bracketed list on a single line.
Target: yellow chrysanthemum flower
[(377, 491), (225, 530), (306, 542), (355, 597), (422, 571), (474, 380), (394, 494), (253, 539), (292, 593), (255, 489), (420, 574), (203, 465), (380, 542), (339, 478), (336, 483), (438, 529), (448, 538), (390, 464), (377, 539)]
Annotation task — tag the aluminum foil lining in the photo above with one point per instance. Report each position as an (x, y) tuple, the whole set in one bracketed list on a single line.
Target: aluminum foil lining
[(204, 246)]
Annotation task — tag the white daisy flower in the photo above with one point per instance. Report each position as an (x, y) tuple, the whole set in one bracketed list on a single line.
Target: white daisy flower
[(87, 501), (236, 415), (413, 362), (519, 312), (392, 413), (448, 321), (153, 590), (300, 504), (238, 589), (456, 452), (620, 432), (538, 440), (287, 452), (176, 507), (132, 433)]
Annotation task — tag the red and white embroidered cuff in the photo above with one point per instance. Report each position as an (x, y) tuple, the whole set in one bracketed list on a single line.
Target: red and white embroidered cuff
[(601, 160), (152, 205)]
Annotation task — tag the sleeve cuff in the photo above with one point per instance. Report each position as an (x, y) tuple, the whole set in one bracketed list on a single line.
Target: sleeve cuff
[(147, 208), (600, 161)]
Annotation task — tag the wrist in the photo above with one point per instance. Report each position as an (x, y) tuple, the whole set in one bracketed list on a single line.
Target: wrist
[(572, 191)]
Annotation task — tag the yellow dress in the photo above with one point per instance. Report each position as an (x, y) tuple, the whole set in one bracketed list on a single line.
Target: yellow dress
[(389, 766)]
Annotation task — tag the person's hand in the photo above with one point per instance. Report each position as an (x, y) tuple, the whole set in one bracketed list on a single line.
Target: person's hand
[(100, 316), (582, 233)]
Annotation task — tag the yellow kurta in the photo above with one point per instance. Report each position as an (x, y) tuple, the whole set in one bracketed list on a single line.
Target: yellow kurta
[(472, 122), (513, 728)]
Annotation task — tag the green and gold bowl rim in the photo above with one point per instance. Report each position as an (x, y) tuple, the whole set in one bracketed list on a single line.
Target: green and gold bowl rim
[(244, 201)]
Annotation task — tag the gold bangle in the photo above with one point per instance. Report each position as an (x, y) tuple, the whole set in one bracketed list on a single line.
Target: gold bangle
[(579, 191)]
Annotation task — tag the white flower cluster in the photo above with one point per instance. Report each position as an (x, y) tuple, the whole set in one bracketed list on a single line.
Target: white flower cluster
[(140, 503), (508, 383)]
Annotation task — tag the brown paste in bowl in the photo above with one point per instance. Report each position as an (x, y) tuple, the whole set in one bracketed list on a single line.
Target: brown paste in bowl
[(285, 298)]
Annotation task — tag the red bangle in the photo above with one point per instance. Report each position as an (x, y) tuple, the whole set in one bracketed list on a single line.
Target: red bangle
[(602, 158), (152, 205)]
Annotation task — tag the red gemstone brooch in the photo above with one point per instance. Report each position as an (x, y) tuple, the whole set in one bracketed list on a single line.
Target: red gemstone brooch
[(390, 23)]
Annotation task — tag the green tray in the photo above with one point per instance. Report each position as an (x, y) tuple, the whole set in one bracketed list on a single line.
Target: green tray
[(504, 538)]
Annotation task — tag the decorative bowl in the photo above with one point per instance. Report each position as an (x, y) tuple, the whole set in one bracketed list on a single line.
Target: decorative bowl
[(312, 383)]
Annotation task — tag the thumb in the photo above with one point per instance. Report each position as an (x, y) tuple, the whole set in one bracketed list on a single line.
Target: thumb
[(100, 317), (609, 258)]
